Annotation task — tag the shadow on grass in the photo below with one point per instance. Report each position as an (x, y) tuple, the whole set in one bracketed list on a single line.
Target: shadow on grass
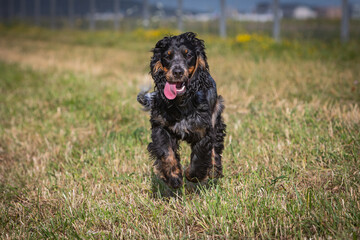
[(160, 190)]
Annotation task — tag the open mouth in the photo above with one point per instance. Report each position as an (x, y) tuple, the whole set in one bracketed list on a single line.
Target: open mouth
[(180, 88), (171, 90)]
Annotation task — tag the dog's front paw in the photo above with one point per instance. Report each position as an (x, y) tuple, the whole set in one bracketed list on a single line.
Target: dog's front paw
[(194, 176), (171, 179), (188, 176), (175, 181), (215, 172)]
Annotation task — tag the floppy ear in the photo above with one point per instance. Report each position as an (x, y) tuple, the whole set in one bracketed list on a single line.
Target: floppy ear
[(155, 62), (156, 67), (200, 64), (201, 60)]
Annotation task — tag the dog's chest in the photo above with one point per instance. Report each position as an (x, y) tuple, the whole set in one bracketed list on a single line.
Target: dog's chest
[(188, 128)]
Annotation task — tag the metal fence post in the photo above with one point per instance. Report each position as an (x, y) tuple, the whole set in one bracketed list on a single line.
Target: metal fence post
[(71, 13), (92, 15), (179, 14), (11, 10), (37, 12), (146, 15), (23, 10), (222, 25), (116, 14), (345, 22), (52, 13), (276, 26)]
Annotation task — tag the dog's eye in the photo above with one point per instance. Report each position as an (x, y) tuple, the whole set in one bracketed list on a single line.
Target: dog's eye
[(168, 56), (186, 54)]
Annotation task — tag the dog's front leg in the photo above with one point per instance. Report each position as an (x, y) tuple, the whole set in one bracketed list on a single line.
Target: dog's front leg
[(200, 160), (164, 149)]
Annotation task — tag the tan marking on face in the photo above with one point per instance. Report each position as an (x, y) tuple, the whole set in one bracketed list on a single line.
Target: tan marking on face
[(169, 52), (157, 66), (186, 51), (168, 74), (186, 72), (191, 69)]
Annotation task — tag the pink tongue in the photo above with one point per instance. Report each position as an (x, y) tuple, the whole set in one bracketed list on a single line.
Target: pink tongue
[(170, 90)]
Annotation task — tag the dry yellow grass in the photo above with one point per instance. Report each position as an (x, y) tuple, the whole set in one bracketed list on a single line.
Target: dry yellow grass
[(46, 56), (279, 78)]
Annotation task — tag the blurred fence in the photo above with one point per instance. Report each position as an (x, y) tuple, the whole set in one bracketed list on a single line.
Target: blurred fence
[(127, 15)]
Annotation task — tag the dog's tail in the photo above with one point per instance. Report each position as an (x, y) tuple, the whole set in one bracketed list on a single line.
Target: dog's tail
[(145, 99)]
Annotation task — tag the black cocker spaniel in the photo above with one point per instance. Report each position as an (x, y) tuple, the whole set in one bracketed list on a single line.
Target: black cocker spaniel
[(184, 106)]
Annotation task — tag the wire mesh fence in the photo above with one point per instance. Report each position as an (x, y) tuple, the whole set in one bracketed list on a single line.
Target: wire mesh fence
[(270, 18)]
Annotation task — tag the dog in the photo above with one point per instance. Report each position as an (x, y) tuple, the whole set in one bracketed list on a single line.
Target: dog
[(184, 106)]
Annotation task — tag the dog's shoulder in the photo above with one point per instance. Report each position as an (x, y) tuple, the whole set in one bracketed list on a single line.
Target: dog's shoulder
[(212, 93)]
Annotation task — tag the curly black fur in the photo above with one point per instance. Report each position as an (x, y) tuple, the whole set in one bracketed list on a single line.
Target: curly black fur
[(194, 117)]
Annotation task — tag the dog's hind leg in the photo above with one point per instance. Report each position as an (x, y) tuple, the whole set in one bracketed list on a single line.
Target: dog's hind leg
[(215, 170), (167, 164), (218, 135)]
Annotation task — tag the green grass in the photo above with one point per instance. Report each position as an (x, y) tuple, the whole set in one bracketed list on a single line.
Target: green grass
[(73, 159)]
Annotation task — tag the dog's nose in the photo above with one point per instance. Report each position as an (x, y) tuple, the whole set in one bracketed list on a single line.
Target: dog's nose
[(178, 72)]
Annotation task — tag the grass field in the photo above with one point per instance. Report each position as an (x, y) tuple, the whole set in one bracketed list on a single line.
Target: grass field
[(73, 159)]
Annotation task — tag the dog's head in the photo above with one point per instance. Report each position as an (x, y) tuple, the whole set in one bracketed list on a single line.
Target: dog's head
[(176, 62)]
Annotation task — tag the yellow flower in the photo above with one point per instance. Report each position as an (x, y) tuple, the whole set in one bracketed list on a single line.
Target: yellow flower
[(242, 38), (153, 34)]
